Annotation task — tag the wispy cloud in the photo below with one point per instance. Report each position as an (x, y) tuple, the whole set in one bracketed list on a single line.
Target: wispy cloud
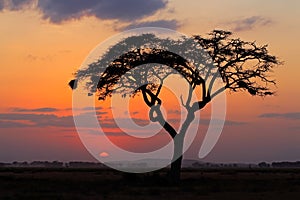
[(124, 122), (12, 124), (177, 112), (249, 23), (46, 109), (131, 113), (50, 109), (290, 115), (91, 108), (46, 117), (219, 121), (35, 120), (170, 24), (34, 58), (206, 121)]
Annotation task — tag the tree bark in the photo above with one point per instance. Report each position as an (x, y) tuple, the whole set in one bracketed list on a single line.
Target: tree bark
[(178, 149), (177, 158), (176, 170)]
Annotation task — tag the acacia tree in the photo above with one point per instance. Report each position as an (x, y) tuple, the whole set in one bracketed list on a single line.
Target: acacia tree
[(243, 66)]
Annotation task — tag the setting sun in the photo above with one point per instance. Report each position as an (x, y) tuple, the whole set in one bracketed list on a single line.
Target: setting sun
[(104, 154)]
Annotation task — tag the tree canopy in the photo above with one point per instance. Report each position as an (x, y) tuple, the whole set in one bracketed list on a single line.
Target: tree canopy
[(243, 66)]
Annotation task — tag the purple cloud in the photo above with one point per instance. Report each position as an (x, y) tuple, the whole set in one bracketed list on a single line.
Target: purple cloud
[(35, 110), (132, 11), (170, 24), (249, 23), (290, 116), (58, 11), (1, 5)]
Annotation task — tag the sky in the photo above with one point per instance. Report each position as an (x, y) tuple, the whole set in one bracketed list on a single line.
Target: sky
[(43, 42)]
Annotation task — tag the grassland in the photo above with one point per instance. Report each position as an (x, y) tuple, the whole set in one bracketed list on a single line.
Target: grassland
[(234, 184)]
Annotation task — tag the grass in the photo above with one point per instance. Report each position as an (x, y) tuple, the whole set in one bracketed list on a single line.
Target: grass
[(64, 184)]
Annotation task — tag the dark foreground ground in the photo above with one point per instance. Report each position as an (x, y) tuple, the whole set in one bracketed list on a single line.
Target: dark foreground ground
[(108, 184)]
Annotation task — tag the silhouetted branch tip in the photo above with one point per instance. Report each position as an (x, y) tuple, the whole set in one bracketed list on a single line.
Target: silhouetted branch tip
[(73, 84)]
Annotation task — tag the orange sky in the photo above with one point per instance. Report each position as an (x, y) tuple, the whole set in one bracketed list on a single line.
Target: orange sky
[(38, 57)]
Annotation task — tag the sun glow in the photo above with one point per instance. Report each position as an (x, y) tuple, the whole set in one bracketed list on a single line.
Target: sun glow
[(104, 154)]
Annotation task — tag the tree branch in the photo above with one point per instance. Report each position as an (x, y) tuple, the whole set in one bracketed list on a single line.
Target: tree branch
[(160, 119)]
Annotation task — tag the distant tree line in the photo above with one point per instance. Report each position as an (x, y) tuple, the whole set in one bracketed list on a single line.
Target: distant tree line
[(280, 164), (54, 164), (203, 165)]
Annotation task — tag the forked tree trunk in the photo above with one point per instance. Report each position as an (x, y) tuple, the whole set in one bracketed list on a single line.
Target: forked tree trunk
[(178, 139)]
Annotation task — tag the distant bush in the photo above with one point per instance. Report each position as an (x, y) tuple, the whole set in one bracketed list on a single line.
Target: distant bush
[(286, 164)]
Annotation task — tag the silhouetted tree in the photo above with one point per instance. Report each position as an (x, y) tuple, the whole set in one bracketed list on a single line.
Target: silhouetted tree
[(243, 66)]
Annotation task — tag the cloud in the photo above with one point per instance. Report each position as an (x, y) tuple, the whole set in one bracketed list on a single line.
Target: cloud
[(12, 124), (131, 113), (219, 121), (34, 110), (124, 122), (91, 108), (40, 117), (35, 120), (290, 116), (58, 11), (128, 9), (15, 4), (34, 58), (206, 121), (20, 4), (85, 108), (170, 24), (124, 11), (107, 133), (46, 117), (1, 5), (249, 23), (178, 112), (234, 123)]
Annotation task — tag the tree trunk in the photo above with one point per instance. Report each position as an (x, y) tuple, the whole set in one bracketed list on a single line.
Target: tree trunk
[(178, 149), (177, 158), (176, 170)]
